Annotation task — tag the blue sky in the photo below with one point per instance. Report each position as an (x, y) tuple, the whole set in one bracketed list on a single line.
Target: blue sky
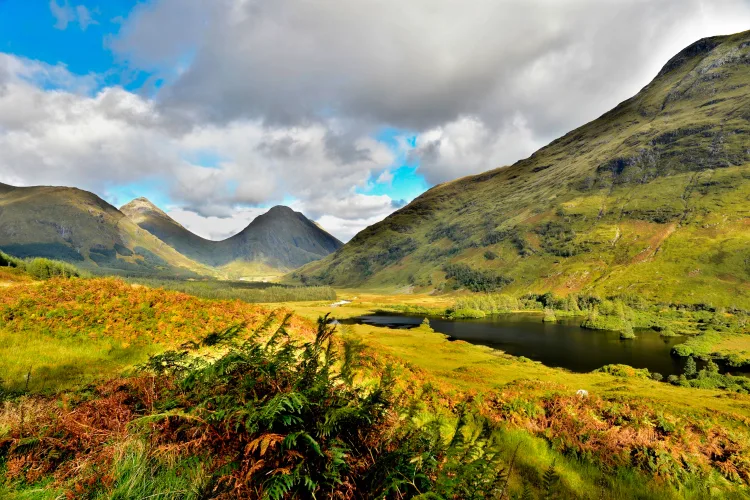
[(217, 110), (30, 29)]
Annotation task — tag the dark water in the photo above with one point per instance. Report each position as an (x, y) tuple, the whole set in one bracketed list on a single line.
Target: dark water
[(564, 344)]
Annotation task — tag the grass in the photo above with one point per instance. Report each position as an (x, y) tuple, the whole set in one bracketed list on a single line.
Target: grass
[(69, 332), (91, 320), (247, 291), (39, 362)]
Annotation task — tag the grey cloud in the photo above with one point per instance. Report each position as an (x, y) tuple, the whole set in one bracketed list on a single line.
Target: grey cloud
[(66, 14), (63, 14), (344, 148), (418, 64)]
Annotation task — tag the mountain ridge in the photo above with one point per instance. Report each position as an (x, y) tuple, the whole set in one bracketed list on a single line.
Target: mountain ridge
[(621, 204), (77, 226), (280, 238)]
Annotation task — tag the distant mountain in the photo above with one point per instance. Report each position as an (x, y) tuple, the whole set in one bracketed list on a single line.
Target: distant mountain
[(152, 219), (77, 226), (280, 239), (651, 199)]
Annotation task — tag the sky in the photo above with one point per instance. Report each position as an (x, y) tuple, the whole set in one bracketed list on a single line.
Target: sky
[(344, 110)]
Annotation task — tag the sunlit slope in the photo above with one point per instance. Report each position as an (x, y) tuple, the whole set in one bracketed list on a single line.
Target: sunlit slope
[(152, 219), (651, 198), (77, 226)]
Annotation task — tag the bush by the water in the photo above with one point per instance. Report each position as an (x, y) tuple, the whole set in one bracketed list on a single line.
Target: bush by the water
[(490, 303), (466, 314), (710, 378)]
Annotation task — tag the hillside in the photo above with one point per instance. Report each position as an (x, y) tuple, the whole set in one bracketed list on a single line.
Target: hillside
[(649, 199), (77, 226), (280, 239), (149, 217)]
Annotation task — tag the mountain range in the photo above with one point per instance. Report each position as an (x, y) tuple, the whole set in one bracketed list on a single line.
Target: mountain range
[(280, 239), (77, 226), (652, 199)]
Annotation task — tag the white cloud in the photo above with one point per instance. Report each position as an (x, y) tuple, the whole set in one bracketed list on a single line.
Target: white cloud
[(385, 177), (468, 146), (346, 229), (85, 19), (417, 64), (482, 82), (115, 137), (215, 228)]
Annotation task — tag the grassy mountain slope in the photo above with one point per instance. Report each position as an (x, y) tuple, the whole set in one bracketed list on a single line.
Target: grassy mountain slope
[(651, 199), (149, 217), (280, 239), (77, 226)]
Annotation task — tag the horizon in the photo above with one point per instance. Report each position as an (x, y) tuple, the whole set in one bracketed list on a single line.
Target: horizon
[(162, 99)]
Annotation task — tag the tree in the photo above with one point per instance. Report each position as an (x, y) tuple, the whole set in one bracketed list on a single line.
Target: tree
[(711, 367), (690, 368)]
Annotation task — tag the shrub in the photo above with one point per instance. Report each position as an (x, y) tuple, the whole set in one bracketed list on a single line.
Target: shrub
[(45, 269), (242, 290), (475, 280), (682, 350), (627, 332), (690, 368), (467, 314), (8, 261), (549, 316), (619, 370), (490, 303)]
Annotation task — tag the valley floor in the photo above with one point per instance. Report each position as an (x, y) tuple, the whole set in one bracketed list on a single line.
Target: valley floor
[(466, 367), (630, 437)]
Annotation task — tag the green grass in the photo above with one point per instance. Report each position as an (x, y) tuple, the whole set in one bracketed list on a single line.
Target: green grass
[(55, 362), (247, 291)]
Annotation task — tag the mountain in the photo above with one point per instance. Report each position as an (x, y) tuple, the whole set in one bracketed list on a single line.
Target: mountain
[(280, 239), (650, 199), (77, 226), (152, 219)]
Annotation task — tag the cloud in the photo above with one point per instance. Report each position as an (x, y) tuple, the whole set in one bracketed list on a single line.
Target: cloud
[(105, 139), (85, 19), (468, 146), (63, 14), (66, 14), (481, 83), (215, 228), (418, 64)]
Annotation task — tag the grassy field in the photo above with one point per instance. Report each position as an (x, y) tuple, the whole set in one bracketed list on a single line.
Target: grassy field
[(248, 291), (631, 437)]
